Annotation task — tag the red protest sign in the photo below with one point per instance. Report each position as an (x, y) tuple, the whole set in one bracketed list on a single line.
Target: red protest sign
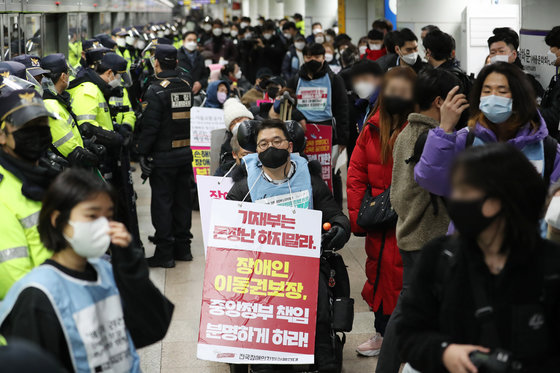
[(319, 148), (259, 301)]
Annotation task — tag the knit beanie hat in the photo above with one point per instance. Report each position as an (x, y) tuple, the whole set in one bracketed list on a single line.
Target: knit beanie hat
[(233, 109)]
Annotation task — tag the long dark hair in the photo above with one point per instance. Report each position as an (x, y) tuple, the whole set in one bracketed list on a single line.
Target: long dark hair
[(505, 173), (389, 129), (522, 92), (69, 189)]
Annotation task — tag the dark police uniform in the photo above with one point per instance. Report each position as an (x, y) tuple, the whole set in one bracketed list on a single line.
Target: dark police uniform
[(165, 139)]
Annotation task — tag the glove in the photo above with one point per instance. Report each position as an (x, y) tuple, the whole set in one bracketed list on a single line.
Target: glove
[(334, 239), (146, 167), (82, 157), (125, 130), (99, 150)]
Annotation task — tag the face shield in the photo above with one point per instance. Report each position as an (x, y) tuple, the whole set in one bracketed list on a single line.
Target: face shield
[(126, 79), (48, 85), (12, 83), (31, 79)]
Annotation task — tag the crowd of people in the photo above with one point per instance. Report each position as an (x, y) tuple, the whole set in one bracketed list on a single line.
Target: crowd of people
[(449, 177)]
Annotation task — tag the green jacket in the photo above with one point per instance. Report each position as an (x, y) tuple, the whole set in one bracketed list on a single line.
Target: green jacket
[(20, 246)]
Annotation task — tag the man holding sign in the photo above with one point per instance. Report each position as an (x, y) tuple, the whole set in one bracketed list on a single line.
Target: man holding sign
[(273, 176)]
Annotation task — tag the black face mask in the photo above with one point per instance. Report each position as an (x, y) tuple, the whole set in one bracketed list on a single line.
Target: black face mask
[(272, 92), (468, 218), (32, 142), (274, 157), (396, 105), (313, 66)]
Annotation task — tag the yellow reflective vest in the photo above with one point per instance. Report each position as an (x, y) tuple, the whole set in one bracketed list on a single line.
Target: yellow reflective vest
[(64, 131), (20, 246), (74, 53), (89, 105)]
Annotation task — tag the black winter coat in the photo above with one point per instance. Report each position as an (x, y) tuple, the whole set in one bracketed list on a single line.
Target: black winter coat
[(439, 307), (322, 197), (197, 71), (339, 99), (550, 106)]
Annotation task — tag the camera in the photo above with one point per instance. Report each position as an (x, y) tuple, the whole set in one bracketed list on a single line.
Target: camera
[(497, 361)]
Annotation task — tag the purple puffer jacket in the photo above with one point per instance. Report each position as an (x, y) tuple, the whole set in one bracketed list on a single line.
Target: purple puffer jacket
[(432, 172)]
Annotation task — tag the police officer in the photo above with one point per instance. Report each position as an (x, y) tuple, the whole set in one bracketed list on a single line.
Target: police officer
[(24, 138), (166, 157), (67, 140), (119, 36), (32, 63)]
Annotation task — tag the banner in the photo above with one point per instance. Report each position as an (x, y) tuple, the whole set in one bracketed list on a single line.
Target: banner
[(319, 148), (259, 301), (533, 55), (203, 121), (209, 189)]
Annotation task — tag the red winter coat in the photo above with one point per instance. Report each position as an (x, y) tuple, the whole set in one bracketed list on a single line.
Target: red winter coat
[(365, 167)]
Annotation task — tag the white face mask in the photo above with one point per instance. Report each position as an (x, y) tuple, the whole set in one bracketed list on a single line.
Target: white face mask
[(190, 26), (115, 82), (160, 34), (90, 239), (234, 33), (375, 47), (364, 89), (267, 36), (243, 24), (207, 27), (141, 44), (184, 30), (287, 35), (329, 57), (317, 30), (248, 35), (207, 62), (499, 58), (329, 38), (217, 31), (121, 42), (410, 59), (552, 57), (227, 30), (129, 40), (362, 49), (238, 74), (190, 45), (319, 39), (552, 216), (299, 45)]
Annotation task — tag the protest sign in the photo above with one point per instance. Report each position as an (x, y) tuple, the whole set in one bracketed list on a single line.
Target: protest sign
[(319, 148), (203, 122), (210, 188), (259, 301)]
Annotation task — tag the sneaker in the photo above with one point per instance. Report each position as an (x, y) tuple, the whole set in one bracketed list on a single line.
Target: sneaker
[(371, 347)]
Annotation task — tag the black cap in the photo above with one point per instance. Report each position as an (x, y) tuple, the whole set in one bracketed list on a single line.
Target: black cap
[(119, 31), (114, 62), (167, 53), (106, 40), (96, 54), (56, 63), (32, 64), (15, 68), (90, 44), (21, 106), (161, 41), (277, 80)]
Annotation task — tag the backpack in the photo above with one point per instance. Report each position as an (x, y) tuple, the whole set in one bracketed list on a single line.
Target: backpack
[(550, 145)]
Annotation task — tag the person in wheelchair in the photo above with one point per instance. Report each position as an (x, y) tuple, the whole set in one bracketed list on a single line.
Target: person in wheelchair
[(277, 174)]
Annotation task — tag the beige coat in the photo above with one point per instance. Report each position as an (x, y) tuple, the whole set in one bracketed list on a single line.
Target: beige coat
[(417, 223)]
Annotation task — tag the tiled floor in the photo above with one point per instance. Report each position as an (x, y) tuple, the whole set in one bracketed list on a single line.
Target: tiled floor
[(183, 286)]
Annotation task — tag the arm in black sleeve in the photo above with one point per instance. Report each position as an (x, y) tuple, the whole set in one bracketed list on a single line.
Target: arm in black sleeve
[(82, 157), (109, 139), (340, 108), (323, 200), (420, 341), (151, 122), (147, 312), (33, 319)]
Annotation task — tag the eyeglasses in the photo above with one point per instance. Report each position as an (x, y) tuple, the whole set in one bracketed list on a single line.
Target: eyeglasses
[(276, 142)]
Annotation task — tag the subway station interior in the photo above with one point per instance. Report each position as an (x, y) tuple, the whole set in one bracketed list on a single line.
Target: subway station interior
[(142, 33)]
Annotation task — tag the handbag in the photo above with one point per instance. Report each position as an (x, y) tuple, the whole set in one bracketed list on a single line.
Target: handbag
[(376, 213)]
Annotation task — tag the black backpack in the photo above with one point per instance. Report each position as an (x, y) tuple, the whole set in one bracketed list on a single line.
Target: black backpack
[(550, 145)]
